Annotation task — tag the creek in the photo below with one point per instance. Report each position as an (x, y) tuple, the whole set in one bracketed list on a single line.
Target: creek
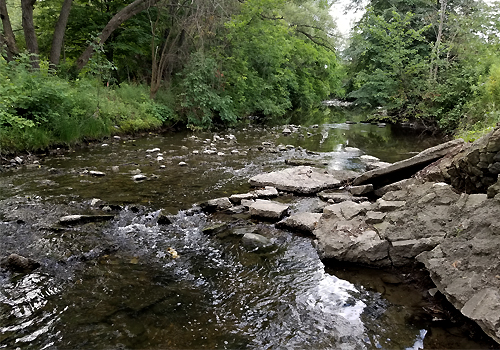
[(115, 285)]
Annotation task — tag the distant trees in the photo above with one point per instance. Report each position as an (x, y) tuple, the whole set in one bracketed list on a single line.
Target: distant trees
[(421, 59)]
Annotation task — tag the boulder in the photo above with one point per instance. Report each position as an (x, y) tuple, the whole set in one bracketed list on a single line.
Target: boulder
[(268, 209), (301, 179), (406, 168), (351, 242), (465, 266), (305, 222)]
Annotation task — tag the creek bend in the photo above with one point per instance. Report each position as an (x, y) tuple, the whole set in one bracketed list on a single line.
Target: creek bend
[(114, 284)]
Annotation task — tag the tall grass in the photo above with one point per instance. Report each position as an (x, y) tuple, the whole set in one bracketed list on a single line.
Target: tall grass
[(38, 109)]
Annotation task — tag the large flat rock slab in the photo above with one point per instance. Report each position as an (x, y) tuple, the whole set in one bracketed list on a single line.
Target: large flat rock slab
[(301, 179), (406, 168)]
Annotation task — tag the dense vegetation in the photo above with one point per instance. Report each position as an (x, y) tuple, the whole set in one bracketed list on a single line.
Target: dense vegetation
[(116, 66), (437, 63), (72, 70)]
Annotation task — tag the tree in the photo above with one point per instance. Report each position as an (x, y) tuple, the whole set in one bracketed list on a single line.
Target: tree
[(7, 36), (29, 31), (59, 30), (124, 14)]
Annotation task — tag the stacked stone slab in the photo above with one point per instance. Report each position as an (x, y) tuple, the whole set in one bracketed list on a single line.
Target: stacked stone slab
[(476, 168)]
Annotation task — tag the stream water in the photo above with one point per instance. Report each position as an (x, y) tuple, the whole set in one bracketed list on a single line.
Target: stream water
[(115, 285)]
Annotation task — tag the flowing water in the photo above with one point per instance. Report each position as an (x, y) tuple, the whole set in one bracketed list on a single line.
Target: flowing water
[(116, 285)]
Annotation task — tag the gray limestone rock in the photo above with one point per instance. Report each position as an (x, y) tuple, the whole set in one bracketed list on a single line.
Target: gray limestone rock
[(405, 168), (268, 209), (361, 190), (301, 179), (305, 222)]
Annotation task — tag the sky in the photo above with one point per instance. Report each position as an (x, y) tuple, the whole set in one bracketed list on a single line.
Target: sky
[(344, 20)]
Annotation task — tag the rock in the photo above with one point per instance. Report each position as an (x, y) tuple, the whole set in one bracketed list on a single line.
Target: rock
[(237, 198), (361, 190), (369, 159), (256, 242), (465, 265), (18, 160), (267, 192), (346, 241), (18, 263), (215, 229), (286, 131), (82, 219), (115, 168), (305, 222), (484, 308), (302, 179), (377, 165), (139, 177), (153, 150), (337, 197), (302, 162), (384, 205), (182, 164), (374, 217), (405, 168), (222, 203), (268, 209), (393, 187), (96, 173), (164, 218), (494, 189), (345, 210)]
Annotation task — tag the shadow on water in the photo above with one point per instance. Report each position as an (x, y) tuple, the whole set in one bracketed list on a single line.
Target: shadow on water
[(117, 284)]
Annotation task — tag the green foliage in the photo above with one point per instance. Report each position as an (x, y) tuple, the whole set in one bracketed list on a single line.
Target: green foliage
[(39, 109), (390, 62), (280, 58), (203, 97)]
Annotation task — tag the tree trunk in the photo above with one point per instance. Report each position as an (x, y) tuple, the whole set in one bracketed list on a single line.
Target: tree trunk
[(8, 33), (124, 14), (29, 31), (435, 54), (58, 38)]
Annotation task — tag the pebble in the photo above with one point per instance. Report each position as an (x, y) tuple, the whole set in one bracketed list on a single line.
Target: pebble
[(139, 177), (153, 150), (182, 164)]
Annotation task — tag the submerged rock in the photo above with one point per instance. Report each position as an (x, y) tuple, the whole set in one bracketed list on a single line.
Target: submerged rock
[(18, 263), (256, 242)]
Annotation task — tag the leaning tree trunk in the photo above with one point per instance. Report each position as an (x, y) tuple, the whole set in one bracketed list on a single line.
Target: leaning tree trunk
[(8, 33), (29, 31), (124, 14), (60, 28)]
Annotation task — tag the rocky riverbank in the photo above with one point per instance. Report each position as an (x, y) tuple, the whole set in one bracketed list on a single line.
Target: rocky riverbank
[(411, 212)]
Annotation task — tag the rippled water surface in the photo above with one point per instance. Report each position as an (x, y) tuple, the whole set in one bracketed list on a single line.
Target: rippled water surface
[(114, 285)]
